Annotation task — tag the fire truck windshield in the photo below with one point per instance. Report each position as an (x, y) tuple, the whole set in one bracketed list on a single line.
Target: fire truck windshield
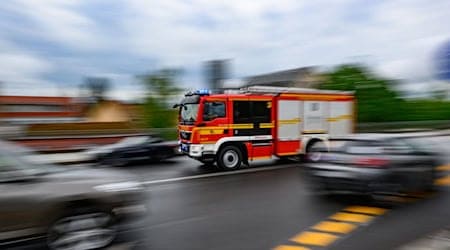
[(189, 113)]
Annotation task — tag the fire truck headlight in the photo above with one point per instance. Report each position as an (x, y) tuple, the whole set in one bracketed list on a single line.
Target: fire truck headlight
[(196, 148)]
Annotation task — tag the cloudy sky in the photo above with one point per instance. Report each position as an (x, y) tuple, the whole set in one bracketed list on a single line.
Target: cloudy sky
[(48, 46)]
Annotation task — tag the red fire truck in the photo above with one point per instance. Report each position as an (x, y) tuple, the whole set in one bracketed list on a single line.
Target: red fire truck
[(257, 122)]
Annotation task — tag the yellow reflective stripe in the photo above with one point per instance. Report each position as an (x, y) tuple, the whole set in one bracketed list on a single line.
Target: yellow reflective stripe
[(315, 238), (339, 118), (366, 210), (211, 131), (287, 153), (335, 227), (241, 126), (289, 121), (266, 125), (261, 157), (317, 131), (225, 126)]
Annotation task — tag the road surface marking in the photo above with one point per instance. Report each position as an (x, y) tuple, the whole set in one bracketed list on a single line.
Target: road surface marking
[(444, 181), (366, 210), (328, 231), (286, 247), (334, 227), (315, 238), (443, 168), (349, 217), (243, 171)]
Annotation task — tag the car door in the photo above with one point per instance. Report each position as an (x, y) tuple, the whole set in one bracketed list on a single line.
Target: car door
[(21, 210)]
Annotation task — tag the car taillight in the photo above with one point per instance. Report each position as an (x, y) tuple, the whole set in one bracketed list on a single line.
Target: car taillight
[(371, 162)]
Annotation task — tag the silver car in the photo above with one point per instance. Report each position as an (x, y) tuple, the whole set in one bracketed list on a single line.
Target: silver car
[(374, 163)]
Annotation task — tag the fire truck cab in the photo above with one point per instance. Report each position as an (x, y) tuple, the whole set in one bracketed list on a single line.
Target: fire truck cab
[(236, 127)]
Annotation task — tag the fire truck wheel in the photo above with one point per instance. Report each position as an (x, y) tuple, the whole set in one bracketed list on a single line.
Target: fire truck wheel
[(230, 158), (313, 151)]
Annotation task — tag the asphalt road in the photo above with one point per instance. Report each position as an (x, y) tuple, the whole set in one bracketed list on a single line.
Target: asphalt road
[(268, 206)]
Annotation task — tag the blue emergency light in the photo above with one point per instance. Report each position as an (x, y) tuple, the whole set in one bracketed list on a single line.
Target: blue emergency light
[(202, 92)]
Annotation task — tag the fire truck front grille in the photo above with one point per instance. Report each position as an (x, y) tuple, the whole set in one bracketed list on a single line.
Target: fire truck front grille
[(185, 135)]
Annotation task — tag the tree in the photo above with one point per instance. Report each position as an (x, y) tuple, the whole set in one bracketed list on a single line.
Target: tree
[(97, 87), (161, 88), (376, 102)]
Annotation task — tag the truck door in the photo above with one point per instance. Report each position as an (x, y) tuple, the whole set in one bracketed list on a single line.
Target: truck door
[(215, 120), (315, 115), (252, 119), (289, 126)]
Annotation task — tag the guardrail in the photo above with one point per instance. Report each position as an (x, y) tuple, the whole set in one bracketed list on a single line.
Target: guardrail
[(402, 126)]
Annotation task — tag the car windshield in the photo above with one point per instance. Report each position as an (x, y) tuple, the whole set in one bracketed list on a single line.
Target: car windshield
[(189, 113)]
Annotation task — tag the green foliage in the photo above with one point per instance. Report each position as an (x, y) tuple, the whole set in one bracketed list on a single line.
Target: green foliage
[(376, 102), (161, 86)]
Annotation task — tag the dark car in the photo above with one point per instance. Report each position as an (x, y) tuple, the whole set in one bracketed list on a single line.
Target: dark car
[(374, 163), (132, 149), (64, 207)]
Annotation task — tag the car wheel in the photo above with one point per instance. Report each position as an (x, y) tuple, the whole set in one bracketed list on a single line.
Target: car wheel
[(87, 230), (230, 158)]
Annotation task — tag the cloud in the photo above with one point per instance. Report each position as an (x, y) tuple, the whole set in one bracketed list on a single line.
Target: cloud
[(21, 69), (396, 38), (58, 21), (264, 36)]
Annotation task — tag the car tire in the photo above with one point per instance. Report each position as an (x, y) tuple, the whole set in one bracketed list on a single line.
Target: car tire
[(230, 158), (82, 229)]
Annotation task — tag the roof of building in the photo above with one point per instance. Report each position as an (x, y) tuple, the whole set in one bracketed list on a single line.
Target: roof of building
[(37, 100), (279, 78)]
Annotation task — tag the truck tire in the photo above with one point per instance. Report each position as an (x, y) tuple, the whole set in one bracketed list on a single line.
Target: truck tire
[(313, 154), (230, 158)]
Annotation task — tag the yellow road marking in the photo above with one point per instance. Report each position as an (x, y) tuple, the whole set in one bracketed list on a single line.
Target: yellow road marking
[(286, 247), (366, 210), (360, 218), (443, 168), (315, 239), (444, 181), (335, 227)]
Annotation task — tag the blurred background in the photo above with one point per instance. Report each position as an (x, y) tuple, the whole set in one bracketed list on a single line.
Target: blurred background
[(101, 67), (81, 79)]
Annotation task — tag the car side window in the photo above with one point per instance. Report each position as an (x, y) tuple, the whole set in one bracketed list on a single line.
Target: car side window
[(364, 147), (397, 147)]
